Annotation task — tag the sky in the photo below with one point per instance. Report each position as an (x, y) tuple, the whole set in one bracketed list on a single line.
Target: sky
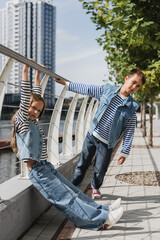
[(79, 58)]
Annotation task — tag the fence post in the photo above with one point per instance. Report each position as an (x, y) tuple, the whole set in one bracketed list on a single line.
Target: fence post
[(53, 132), (1, 200), (80, 125), (67, 148), (4, 79)]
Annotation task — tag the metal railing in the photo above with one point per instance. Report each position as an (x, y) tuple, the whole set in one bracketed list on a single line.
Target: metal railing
[(18, 57), (83, 121)]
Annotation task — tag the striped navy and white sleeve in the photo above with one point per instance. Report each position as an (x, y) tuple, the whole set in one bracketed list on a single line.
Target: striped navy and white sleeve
[(22, 119), (95, 91), (37, 89), (128, 136)]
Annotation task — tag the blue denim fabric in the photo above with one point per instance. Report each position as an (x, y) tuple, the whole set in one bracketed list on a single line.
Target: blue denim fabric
[(30, 143), (67, 198), (92, 146), (121, 117)]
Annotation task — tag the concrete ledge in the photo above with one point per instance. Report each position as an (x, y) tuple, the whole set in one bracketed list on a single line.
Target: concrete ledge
[(23, 204)]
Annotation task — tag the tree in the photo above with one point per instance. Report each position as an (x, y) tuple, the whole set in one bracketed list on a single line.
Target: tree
[(142, 98), (131, 38)]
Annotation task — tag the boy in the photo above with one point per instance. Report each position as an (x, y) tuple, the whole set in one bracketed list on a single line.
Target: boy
[(115, 116)]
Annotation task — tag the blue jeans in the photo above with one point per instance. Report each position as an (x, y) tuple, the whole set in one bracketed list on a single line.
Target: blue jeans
[(67, 198), (92, 146)]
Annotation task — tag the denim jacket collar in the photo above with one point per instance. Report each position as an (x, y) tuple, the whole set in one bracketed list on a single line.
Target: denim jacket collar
[(128, 101)]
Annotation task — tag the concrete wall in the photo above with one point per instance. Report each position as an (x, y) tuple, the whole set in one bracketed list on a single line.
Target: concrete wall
[(23, 204)]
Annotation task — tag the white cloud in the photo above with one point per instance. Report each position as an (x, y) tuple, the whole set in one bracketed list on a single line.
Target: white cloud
[(63, 35), (77, 56)]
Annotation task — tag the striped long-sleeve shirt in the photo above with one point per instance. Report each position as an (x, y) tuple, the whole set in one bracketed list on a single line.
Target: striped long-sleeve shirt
[(102, 129), (22, 118)]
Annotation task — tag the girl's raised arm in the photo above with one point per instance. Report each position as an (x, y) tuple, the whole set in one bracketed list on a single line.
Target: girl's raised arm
[(25, 73), (37, 77)]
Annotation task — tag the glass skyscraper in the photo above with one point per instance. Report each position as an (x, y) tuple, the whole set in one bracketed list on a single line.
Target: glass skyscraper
[(31, 31)]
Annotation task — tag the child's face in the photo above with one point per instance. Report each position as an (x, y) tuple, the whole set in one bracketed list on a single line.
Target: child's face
[(132, 84), (35, 109)]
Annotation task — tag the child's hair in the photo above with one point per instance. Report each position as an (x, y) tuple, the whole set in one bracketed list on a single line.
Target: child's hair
[(139, 73), (34, 98), (13, 135)]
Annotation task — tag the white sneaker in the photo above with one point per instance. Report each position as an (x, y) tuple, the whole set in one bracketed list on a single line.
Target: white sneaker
[(113, 218), (115, 205)]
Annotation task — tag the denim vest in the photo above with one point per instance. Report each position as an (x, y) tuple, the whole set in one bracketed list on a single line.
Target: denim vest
[(123, 114), (30, 143)]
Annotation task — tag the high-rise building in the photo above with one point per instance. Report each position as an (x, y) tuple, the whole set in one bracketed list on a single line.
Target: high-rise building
[(29, 28), (2, 32)]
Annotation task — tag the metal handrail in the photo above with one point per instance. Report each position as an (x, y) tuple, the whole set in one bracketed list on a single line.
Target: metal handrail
[(10, 53), (53, 132)]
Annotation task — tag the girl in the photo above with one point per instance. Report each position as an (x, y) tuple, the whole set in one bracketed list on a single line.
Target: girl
[(28, 141)]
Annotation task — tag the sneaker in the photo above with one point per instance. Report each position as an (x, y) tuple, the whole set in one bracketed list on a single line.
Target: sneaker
[(113, 218), (115, 205), (96, 193)]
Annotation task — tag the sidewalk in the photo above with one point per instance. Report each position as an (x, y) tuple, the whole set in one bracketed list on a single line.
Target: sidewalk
[(141, 218)]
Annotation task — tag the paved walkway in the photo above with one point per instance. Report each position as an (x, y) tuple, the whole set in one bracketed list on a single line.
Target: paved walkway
[(141, 218)]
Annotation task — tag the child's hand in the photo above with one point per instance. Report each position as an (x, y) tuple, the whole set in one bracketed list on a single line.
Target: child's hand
[(61, 81), (25, 67), (38, 72), (121, 160)]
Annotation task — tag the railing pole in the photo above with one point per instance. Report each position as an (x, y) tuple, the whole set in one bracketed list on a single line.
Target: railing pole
[(80, 125), (4, 79), (94, 109), (88, 117), (53, 132), (68, 128), (44, 83)]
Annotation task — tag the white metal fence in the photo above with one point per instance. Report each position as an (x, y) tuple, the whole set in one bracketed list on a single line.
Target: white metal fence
[(84, 116)]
